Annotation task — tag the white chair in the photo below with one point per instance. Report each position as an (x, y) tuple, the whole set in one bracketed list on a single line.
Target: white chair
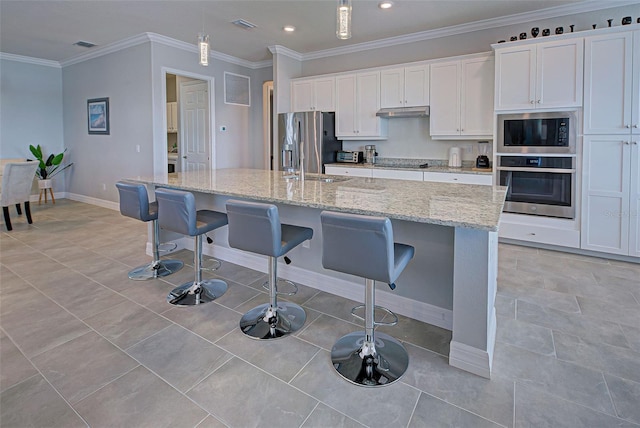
[(17, 180)]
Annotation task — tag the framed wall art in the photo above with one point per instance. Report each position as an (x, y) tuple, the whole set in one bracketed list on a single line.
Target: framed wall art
[(98, 116)]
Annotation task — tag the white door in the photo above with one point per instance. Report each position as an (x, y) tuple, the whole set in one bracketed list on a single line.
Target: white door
[(476, 92), (445, 99), (194, 126), (515, 78), (559, 68)]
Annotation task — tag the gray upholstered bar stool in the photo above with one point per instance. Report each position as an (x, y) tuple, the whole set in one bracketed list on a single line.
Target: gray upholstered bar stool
[(134, 203), (177, 212), (256, 227), (363, 246)]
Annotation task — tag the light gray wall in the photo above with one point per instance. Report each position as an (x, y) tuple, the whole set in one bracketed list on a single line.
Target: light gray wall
[(31, 111), (462, 44), (102, 160)]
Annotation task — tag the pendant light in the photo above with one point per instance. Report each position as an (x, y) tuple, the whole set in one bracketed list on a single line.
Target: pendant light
[(203, 48), (343, 19)]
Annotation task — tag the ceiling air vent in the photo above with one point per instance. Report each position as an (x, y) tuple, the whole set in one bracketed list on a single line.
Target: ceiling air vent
[(243, 24), (84, 44)]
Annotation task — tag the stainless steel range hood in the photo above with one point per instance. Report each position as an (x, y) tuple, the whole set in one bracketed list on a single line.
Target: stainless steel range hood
[(422, 111)]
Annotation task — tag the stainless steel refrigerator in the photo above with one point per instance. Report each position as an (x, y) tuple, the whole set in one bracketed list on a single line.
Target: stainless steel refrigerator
[(309, 136)]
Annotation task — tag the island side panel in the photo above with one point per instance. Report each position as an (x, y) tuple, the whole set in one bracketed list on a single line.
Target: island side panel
[(474, 292)]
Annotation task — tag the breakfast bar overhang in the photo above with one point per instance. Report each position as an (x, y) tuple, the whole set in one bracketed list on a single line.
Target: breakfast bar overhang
[(451, 282)]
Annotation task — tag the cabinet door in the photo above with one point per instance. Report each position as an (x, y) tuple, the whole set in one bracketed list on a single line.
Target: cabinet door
[(607, 85), (346, 106), (416, 85), (302, 95), (635, 85), (392, 88), (368, 104), (445, 99), (605, 195), (515, 78), (476, 108), (325, 94), (634, 211), (559, 69)]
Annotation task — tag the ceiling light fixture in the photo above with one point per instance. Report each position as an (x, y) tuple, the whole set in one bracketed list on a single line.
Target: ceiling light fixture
[(343, 20), (203, 47), (385, 4), (289, 28)]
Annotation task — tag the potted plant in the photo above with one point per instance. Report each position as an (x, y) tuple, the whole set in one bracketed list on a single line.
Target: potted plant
[(48, 168)]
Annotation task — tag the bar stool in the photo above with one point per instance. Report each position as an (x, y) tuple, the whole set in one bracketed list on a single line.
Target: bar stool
[(256, 227), (134, 203), (177, 212), (363, 246)]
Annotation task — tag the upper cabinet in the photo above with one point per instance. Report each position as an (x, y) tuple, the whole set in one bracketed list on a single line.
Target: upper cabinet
[(172, 117), (313, 94), (539, 76), (357, 102), (462, 98), (612, 84), (404, 86)]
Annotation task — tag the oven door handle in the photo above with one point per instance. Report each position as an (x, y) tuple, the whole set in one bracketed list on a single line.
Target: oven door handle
[(556, 170)]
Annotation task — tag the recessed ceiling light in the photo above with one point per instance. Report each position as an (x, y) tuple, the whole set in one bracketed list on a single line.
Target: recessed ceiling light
[(385, 4), (289, 28)]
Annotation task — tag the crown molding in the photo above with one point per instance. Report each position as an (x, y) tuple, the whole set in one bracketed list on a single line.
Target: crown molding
[(281, 50), (107, 49), (29, 60), (571, 9)]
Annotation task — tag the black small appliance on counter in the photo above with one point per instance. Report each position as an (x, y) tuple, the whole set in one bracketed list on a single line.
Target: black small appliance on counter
[(482, 161)]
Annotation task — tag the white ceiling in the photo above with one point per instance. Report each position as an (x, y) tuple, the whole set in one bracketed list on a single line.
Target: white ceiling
[(48, 29)]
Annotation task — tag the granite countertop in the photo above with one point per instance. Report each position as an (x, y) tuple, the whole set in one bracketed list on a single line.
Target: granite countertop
[(448, 204)]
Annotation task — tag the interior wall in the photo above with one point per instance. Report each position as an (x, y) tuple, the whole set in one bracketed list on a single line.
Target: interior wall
[(31, 112), (461, 44), (101, 160)]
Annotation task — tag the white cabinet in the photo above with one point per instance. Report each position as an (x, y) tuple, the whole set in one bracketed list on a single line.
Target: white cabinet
[(348, 171), (539, 76), (398, 174), (172, 117), (448, 177), (611, 195), (313, 94), (404, 86), (462, 98), (612, 84), (357, 102)]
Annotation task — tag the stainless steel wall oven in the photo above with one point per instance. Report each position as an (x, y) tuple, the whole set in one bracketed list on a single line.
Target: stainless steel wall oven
[(539, 185)]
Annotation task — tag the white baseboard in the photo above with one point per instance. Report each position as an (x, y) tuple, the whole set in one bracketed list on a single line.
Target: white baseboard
[(93, 201), (472, 359)]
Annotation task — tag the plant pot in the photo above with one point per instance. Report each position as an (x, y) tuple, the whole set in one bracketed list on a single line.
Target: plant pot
[(45, 184)]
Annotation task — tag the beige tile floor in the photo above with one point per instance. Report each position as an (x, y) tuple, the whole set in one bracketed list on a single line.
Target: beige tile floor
[(81, 345)]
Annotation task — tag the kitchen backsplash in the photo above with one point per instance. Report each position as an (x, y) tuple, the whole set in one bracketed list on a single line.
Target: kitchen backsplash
[(409, 139)]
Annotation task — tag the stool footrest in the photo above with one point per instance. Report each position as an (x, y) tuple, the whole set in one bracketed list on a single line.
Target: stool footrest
[(165, 247), (211, 265), (375, 323), (265, 285)]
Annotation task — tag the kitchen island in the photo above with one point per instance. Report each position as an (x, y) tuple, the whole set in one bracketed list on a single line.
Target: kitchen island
[(451, 282)]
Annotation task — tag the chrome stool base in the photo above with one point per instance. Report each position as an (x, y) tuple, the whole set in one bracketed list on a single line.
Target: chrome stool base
[(289, 319), (210, 289), (392, 357), (155, 270)]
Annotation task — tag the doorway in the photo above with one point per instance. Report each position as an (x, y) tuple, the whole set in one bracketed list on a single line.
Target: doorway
[(189, 118)]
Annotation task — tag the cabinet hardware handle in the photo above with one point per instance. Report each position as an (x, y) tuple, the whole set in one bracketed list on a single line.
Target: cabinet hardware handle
[(626, 126), (184, 157), (532, 102), (532, 234), (635, 126), (626, 143), (539, 101)]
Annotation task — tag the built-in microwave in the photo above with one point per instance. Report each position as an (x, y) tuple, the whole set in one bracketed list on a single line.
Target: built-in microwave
[(551, 132)]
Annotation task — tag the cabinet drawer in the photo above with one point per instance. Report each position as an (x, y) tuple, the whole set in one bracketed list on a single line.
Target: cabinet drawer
[(447, 177), (398, 174), (541, 234), (353, 172)]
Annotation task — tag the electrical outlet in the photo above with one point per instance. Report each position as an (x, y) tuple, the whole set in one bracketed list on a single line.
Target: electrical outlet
[(104, 186), (469, 149)]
